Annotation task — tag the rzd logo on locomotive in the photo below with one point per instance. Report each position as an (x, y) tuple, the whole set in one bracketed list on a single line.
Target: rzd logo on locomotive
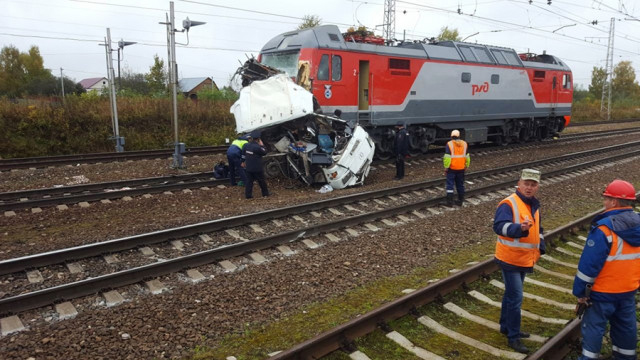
[(480, 88)]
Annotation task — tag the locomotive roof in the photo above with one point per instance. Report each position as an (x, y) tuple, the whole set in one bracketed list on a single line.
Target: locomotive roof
[(330, 37)]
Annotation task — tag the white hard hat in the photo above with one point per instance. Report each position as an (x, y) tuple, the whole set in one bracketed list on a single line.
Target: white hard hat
[(455, 133)]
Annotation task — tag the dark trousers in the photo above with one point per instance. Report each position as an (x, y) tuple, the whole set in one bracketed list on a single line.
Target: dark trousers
[(457, 177), (399, 166), (235, 166), (621, 315), (248, 187), (510, 315)]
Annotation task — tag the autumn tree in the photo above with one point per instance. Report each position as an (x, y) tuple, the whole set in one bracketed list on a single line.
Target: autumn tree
[(157, 77), (23, 73), (448, 34), (309, 21), (598, 77), (623, 84)]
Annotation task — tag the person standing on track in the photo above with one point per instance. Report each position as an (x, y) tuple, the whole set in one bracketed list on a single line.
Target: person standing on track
[(519, 245), (253, 153), (236, 158), (456, 160), (609, 274), (400, 148)]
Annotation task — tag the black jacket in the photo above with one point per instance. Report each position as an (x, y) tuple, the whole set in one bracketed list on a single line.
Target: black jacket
[(253, 154), (401, 143)]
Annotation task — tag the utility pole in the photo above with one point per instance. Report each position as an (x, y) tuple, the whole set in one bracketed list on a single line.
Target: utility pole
[(606, 85), (389, 21), (112, 93), (62, 85), (179, 147)]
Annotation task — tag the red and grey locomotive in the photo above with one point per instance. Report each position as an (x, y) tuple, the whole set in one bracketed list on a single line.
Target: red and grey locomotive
[(490, 93)]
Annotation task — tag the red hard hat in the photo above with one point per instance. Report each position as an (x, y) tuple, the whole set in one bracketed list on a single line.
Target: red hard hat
[(620, 189)]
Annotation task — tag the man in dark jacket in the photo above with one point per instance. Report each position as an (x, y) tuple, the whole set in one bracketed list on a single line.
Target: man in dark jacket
[(253, 153), (608, 275), (235, 158), (400, 148)]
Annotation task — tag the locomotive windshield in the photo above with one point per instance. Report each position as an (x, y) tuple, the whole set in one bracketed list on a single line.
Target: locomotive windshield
[(285, 61)]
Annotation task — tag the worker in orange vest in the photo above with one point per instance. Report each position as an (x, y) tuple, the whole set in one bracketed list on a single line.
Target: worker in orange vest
[(609, 274), (519, 245), (456, 160)]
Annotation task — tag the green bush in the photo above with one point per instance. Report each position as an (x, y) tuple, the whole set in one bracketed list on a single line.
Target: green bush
[(41, 127)]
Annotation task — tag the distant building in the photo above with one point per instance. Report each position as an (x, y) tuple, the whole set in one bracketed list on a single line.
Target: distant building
[(96, 84), (190, 86)]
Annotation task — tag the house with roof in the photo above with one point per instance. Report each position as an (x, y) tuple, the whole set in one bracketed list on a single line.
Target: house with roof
[(94, 84), (190, 86)]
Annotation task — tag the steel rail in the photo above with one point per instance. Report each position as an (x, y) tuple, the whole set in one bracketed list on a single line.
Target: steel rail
[(120, 244), (11, 201), (90, 286), (343, 335), (43, 161), (74, 189)]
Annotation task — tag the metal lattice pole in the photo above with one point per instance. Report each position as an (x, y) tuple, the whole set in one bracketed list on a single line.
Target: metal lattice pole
[(389, 21), (606, 85)]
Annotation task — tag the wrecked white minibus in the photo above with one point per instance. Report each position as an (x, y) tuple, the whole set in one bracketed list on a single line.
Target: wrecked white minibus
[(302, 143)]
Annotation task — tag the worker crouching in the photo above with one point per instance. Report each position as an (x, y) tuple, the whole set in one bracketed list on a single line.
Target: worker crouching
[(609, 274)]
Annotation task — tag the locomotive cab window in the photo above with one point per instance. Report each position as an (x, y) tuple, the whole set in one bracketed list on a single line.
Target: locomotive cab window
[(323, 68), (481, 54), (336, 67), (468, 54), (566, 81), (500, 57)]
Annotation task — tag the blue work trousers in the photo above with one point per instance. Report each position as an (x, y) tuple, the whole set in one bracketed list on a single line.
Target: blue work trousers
[(511, 304), (235, 165), (621, 314), (457, 177)]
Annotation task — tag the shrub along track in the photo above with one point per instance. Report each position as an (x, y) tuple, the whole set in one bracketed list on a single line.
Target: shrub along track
[(36, 199), (457, 317), (391, 211)]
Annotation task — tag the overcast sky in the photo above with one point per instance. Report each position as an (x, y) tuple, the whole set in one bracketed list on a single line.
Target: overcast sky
[(68, 31)]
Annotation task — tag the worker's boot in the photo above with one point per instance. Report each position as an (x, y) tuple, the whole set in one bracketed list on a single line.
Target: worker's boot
[(449, 199), (460, 200)]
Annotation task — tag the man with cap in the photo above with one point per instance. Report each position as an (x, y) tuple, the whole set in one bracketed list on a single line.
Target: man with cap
[(253, 153), (519, 245), (456, 160), (609, 273), (400, 148), (235, 158)]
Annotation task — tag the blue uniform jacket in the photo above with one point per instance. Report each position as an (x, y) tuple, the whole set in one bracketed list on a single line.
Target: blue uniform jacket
[(253, 154), (626, 224), (401, 143), (504, 215), (234, 150)]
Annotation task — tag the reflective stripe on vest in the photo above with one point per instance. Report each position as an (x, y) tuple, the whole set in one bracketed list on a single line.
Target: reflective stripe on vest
[(519, 251), (458, 154), (621, 270)]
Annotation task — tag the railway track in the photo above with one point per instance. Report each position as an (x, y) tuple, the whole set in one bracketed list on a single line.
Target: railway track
[(43, 279), (46, 161), (37, 199), (457, 317)]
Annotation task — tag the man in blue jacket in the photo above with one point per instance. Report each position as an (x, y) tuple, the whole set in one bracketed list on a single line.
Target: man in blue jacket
[(235, 158), (253, 153), (609, 274), (400, 148)]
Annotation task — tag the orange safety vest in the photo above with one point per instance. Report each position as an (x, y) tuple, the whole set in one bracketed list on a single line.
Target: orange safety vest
[(525, 251), (458, 150), (621, 271)]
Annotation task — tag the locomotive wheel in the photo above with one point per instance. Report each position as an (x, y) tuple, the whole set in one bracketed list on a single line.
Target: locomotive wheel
[(524, 135), (384, 155)]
